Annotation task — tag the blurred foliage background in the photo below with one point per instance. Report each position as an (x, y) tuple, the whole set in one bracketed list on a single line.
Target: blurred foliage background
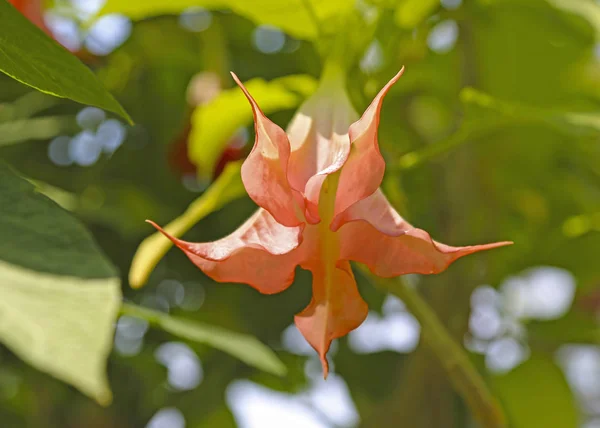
[(493, 133)]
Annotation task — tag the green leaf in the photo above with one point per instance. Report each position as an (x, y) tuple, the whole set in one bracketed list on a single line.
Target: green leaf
[(536, 394), (37, 234), (241, 346), (227, 188), (579, 124), (60, 296), (410, 13), (61, 325), (31, 57), (574, 327), (295, 17), (500, 114), (26, 106), (212, 128), (586, 9)]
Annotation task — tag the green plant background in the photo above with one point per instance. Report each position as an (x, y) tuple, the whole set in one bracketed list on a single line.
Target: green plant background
[(493, 133)]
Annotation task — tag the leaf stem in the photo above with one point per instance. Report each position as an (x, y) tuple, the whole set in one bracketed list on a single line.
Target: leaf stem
[(464, 134), (153, 317), (244, 347), (463, 375)]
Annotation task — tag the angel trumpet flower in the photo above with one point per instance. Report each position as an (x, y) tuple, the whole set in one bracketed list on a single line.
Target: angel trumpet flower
[(320, 207)]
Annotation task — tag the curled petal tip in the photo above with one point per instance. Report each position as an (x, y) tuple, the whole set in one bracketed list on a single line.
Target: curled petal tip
[(255, 109), (325, 365), (235, 78), (497, 244), (161, 230), (395, 78)]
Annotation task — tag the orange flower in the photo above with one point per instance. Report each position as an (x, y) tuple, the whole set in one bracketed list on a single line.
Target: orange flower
[(321, 207)]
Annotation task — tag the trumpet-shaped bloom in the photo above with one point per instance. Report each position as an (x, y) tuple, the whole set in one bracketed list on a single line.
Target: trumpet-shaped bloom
[(320, 208)]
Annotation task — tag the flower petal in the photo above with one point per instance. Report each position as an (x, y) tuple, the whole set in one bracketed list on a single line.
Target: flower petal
[(363, 171), (376, 210), (319, 139), (261, 253), (335, 310), (264, 172), (373, 233)]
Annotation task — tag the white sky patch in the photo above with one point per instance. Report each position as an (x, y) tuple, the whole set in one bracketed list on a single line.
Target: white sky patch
[(294, 342), (505, 354), (542, 293), (268, 39), (183, 365), (324, 404), (581, 365), (372, 60), (108, 33), (443, 36), (395, 332), (392, 305), (169, 417)]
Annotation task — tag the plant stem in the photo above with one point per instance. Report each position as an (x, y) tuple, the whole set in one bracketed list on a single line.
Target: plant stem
[(464, 134), (313, 15), (463, 375)]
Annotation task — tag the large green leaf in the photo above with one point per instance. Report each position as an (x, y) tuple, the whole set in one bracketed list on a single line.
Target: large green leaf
[(215, 123), (31, 57), (298, 18), (62, 325), (37, 234), (536, 394), (244, 347), (60, 296)]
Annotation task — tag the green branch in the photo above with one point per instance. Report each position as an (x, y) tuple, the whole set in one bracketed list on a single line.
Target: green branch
[(462, 374), (465, 134), (313, 15), (244, 347)]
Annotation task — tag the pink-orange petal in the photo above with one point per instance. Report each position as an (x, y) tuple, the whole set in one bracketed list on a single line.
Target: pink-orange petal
[(334, 311), (377, 211), (363, 171), (373, 233), (319, 140), (264, 171), (411, 252), (261, 253)]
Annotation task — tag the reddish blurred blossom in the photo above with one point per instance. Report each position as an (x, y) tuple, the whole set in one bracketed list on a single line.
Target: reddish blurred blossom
[(33, 10), (201, 90)]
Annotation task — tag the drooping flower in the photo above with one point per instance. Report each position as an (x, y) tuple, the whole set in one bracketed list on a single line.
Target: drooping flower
[(320, 208)]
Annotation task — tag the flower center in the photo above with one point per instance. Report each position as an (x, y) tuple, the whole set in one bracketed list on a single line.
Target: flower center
[(330, 246), (329, 243)]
